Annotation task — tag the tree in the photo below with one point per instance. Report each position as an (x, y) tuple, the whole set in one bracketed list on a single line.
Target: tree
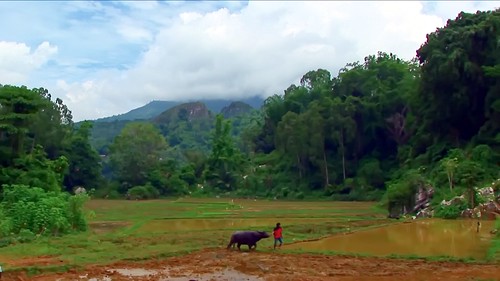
[(456, 94), (18, 109), (135, 152), (225, 162), (84, 161), (52, 125), (342, 126)]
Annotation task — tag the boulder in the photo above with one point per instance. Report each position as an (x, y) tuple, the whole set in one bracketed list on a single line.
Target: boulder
[(486, 193), (487, 211), (423, 198), (80, 189), (425, 213), (467, 213), (453, 201)]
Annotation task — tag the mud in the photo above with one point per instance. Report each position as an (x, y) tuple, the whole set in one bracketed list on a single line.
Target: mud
[(34, 261), (455, 238), (221, 264)]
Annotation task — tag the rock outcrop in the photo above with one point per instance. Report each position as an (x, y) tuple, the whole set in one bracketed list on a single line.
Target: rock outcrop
[(184, 112), (80, 189), (423, 202), (491, 206), (421, 206)]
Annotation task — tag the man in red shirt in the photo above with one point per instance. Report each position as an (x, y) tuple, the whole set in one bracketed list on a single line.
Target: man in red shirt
[(278, 235)]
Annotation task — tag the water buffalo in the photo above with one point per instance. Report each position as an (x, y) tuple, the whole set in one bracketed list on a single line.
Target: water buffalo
[(249, 238)]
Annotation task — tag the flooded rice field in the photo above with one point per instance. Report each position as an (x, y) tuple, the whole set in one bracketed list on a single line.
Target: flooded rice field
[(186, 239), (213, 224), (425, 238)]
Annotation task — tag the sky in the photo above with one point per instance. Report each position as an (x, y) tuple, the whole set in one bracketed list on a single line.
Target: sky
[(108, 57)]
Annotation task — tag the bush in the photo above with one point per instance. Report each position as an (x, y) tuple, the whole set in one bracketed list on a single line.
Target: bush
[(450, 212), (40, 212), (143, 192), (108, 191)]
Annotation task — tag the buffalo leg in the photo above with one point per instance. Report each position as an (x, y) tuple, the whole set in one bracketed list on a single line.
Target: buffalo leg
[(239, 245)]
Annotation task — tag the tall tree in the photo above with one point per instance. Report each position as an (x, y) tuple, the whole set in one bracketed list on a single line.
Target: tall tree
[(18, 109), (84, 161), (135, 152), (225, 162)]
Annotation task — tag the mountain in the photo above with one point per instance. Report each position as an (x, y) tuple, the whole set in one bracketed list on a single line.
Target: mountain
[(155, 108), (144, 112), (236, 108), (185, 126), (184, 112)]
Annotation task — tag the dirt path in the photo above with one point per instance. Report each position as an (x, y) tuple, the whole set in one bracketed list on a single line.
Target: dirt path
[(220, 264)]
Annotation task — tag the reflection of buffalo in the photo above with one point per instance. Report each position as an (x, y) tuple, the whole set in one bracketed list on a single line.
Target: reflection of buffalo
[(249, 238)]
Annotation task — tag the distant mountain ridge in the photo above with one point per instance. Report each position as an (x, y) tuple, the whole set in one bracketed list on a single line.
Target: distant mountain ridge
[(156, 107)]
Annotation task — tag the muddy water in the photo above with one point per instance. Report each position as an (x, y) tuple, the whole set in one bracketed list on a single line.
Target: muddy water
[(457, 238), (187, 275), (209, 224)]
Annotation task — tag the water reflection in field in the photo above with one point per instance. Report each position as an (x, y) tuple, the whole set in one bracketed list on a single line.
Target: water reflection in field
[(433, 237)]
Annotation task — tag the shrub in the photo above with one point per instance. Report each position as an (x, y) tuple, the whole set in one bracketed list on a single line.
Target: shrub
[(450, 212), (41, 212), (143, 192)]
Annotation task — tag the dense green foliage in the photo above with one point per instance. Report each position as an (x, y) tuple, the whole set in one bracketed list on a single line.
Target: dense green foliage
[(42, 157)]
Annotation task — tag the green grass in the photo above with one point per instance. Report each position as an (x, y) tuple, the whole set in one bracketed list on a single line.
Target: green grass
[(406, 257), (494, 250)]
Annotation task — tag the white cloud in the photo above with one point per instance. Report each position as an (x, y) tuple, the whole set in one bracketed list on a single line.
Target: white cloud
[(188, 50), (17, 60)]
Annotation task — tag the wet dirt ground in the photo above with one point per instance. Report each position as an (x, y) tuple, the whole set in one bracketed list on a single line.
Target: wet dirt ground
[(224, 265)]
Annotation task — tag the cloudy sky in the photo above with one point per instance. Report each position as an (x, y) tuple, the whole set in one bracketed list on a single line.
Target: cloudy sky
[(105, 58)]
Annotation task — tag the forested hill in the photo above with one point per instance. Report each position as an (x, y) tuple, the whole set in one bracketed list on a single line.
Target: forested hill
[(155, 108), (185, 125)]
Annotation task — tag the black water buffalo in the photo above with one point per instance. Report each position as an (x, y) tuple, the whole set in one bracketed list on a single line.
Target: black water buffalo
[(249, 238)]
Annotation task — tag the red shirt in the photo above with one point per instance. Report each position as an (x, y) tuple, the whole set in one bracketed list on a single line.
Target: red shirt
[(277, 232)]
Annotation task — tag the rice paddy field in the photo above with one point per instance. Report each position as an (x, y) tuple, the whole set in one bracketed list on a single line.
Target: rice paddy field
[(186, 239)]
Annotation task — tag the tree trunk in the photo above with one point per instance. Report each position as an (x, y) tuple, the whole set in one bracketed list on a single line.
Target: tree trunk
[(471, 192), (299, 166), (327, 178), (32, 145), (343, 152), (450, 181)]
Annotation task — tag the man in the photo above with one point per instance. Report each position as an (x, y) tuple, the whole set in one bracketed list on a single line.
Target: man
[(278, 235)]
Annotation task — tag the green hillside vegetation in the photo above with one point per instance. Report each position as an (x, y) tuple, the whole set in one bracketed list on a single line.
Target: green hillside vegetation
[(379, 130)]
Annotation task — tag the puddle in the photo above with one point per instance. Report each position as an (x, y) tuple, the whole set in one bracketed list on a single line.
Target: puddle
[(163, 275), (433, 237), (106, 226), (223, 275), (209, 224), (135, 272)]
